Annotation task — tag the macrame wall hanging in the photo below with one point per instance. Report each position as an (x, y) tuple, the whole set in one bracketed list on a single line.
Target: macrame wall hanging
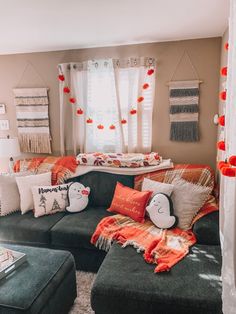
[(184, 106), (32, 116)]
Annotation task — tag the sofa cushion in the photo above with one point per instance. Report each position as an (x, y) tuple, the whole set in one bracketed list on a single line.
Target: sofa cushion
[(126, 284), (25, 229), (76, 230), (206, 229), (102, 186)]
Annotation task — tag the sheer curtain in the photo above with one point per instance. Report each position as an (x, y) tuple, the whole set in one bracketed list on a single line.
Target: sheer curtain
[(106, 105), (228, 186)]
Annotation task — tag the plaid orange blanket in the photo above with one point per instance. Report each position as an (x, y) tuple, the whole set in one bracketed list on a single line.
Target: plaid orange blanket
[(162, 247), (61, 167), (197, 174)]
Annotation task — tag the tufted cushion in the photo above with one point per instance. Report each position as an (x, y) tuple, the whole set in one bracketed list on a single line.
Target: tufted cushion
[(126, 284)]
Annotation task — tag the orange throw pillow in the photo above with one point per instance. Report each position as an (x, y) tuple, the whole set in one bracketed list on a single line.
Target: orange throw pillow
[(130, 202)]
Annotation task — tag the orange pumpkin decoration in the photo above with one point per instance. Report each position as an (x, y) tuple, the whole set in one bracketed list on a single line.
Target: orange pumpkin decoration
[(66, 90), (61, 77), (89, 121), (112, 127), (133, 111), (100, 127), (80, 111), (221, 145), (222, 164), (221, 120), (232, 160), (228, 171), (140, 99), (223, 95), (150, 72), (123, 121), (224, 71), (72, 100), (145, 85)]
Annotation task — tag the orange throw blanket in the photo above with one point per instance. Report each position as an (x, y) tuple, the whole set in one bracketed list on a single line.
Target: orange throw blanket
[(62, 168), (162, 247)]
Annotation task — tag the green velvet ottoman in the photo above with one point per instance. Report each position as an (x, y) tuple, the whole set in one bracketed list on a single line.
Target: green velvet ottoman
[(46, 283), (125, 284)]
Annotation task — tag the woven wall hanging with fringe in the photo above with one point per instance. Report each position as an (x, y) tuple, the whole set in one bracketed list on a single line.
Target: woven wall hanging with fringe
[(184, 109), (33, 120)]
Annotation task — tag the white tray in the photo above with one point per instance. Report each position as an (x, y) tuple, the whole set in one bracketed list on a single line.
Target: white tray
[(19, 258)]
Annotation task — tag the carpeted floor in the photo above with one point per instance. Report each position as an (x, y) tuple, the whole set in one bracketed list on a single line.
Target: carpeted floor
[(82, 302)]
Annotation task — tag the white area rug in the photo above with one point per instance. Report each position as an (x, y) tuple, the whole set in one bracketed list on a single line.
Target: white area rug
[(82, 302)]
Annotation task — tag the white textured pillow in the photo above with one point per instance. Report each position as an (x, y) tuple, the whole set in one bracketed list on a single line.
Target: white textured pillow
[(187, 199), (157, 187), (9, 193), (50, 199), (25, 184)]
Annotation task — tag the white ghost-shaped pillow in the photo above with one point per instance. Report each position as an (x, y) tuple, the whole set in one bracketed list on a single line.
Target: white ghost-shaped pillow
[(78, 197), (160, 211)]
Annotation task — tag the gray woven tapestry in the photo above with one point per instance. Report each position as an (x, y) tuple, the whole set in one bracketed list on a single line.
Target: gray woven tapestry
[(184, 109)]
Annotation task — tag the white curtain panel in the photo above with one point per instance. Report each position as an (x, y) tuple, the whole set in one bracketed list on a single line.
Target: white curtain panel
[(228, 202), (107, 116)]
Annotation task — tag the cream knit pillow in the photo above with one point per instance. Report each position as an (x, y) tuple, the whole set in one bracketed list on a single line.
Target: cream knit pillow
[(25, 184), (187, 199), (157, 187)]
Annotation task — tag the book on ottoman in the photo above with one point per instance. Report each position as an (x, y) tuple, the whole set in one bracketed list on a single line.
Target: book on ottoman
[(9, 261)]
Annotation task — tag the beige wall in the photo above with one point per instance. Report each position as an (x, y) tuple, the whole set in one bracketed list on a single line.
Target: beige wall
[(204, 53)]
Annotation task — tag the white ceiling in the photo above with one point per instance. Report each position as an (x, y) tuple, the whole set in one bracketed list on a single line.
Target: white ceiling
[(48, 25)]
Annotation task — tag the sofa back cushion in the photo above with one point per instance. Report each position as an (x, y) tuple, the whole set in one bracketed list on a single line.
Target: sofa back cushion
[(206, 229), (102, 186)]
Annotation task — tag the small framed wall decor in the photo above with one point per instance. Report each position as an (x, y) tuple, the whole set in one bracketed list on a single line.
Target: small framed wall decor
[(2, 109)]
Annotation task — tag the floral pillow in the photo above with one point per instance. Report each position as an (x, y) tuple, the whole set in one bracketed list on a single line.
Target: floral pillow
[(119, 160)]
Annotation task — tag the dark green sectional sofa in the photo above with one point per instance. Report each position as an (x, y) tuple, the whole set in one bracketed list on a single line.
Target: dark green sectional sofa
[(125, 284)]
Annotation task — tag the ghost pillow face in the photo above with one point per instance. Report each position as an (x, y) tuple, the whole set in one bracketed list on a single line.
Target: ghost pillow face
[(78, 197), (160, 211)]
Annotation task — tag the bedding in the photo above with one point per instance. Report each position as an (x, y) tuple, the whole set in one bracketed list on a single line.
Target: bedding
[(119, 160)]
